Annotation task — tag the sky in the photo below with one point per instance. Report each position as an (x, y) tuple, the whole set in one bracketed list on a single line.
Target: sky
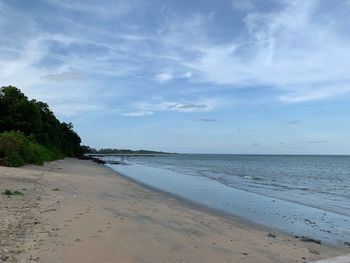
[(192, 76)]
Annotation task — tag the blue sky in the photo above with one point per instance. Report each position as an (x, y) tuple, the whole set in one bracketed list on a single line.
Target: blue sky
[(224, 76)]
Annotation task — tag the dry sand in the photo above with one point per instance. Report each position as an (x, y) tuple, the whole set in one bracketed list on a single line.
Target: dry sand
[(79, 211)]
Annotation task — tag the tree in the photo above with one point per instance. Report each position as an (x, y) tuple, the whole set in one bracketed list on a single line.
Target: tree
[(37, 122)]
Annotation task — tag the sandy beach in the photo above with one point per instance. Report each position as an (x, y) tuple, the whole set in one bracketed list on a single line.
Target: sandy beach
[(78, 211)]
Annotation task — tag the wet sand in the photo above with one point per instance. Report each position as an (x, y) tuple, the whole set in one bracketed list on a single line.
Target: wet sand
[(78, 211)]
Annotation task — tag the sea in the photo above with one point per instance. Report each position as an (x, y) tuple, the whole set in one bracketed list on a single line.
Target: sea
[(303, 195)]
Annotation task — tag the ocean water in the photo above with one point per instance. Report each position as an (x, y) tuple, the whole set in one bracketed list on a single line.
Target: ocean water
[(301, 195)]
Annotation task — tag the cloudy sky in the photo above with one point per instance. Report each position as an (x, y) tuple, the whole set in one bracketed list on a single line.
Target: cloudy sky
[(223, 76)]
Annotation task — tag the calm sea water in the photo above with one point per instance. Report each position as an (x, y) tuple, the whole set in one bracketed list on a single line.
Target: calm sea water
[(298, 194)]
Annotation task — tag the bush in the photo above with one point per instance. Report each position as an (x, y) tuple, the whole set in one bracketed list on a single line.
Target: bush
[(9, 192), (16, 150)]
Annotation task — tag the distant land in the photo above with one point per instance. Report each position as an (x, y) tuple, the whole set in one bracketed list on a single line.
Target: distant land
[(90, 150)]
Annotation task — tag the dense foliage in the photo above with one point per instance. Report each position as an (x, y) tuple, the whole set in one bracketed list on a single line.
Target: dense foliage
[(17, 150), (30, 132)]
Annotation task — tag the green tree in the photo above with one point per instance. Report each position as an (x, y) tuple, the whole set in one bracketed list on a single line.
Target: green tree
[(34, 120)]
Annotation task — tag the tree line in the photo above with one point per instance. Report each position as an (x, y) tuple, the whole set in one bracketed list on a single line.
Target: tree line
[(88, 149), (31, 133)]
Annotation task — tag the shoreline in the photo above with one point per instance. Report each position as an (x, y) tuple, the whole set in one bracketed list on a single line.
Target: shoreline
[(84, 212), (203, 208), (206, 209), (292, 218)]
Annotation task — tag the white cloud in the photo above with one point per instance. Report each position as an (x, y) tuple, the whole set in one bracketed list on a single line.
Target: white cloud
[(70, 108), (187, 75), (64, 76), (186, 106), (137, 113), (315, 142), (169, 76), (201, 105), (108, 8), (22, 72), (29, 61), (19, 70), (206, 120), (291, 50), (164, 77)]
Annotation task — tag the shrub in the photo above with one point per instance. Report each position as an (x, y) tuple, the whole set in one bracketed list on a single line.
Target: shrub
[(16, 150), (9, 192), (12, 147)]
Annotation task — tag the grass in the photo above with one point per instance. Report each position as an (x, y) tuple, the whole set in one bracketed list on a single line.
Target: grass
[(9, 192)]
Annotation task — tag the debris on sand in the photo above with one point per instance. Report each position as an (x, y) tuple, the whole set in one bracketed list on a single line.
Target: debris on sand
[(308, 239), (271, 235)]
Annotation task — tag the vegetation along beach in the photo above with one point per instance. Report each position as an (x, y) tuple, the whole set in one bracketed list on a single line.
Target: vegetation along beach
[(177, 131)]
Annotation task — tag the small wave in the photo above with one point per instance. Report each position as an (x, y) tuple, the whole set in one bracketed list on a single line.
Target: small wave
[(252, 178)]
